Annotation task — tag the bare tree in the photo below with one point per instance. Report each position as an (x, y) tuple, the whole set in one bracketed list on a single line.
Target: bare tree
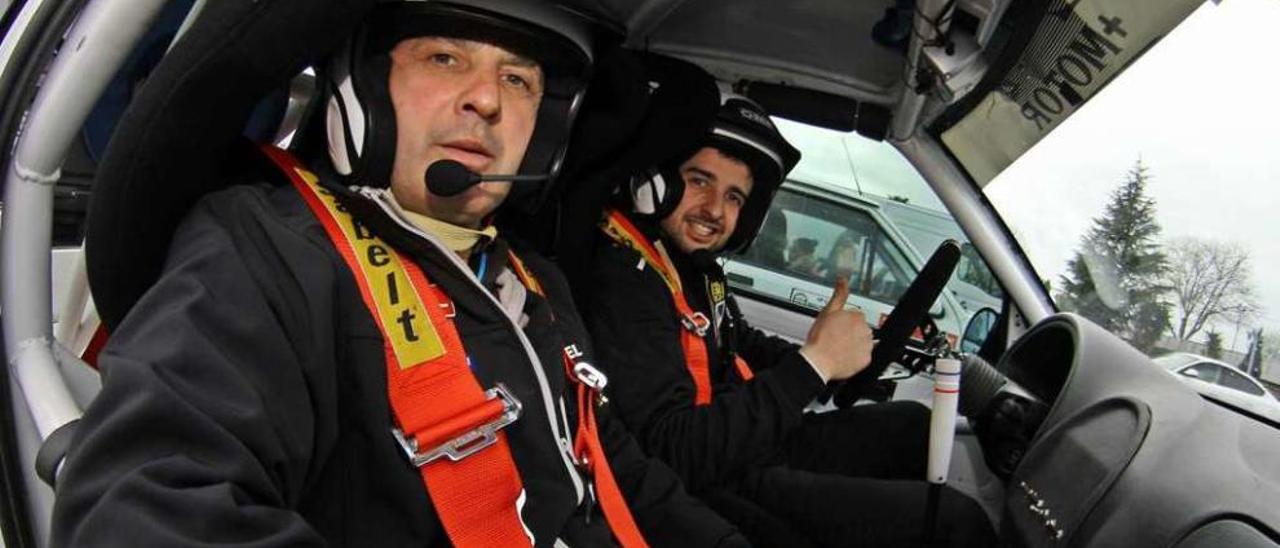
[(1208, 280)]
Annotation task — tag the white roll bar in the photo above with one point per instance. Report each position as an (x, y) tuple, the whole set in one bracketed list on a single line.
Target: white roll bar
[(90, 55)]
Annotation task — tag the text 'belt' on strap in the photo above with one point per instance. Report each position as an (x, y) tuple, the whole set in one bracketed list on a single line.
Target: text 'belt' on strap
[(439, 407), (693, 336)]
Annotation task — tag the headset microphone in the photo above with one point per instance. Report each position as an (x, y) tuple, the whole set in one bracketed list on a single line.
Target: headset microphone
[(450, 178)]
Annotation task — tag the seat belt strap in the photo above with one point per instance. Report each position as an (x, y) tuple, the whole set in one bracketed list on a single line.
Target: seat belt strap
[(744, 369), (693, 337), (449, 426), (589, 383)]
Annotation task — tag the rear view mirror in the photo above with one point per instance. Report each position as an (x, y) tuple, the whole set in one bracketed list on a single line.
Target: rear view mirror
[(978, 329), (1190, 372)]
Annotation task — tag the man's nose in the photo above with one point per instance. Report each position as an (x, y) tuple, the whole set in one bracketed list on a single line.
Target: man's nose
[(482, 95), (713, 204)]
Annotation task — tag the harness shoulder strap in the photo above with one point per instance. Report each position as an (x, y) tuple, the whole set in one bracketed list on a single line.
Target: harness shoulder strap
[(589, 383), (439, 407), (692, 338)]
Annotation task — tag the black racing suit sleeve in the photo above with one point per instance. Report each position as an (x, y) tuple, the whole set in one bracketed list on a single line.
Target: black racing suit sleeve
[(665, 513), (631, 316), (203, 429), (761, 350)]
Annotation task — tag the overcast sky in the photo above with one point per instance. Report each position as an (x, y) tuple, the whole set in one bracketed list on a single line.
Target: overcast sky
[(1201, 111)]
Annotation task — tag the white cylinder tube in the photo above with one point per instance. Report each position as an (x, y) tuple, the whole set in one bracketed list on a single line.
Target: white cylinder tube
[(942, 421)]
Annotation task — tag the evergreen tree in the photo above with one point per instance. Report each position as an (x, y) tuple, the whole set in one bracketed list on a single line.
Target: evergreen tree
[(1114, 277), (1213, 346)]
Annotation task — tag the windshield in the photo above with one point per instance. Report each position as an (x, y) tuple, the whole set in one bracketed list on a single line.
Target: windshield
[(1152, 210), (855, 208)]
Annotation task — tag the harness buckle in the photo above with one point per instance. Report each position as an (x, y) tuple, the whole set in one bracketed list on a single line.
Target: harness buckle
[(470, 442), (697, 323), (590, 376)]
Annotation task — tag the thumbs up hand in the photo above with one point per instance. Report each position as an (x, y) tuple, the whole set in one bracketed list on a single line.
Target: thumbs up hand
[(839, 342)]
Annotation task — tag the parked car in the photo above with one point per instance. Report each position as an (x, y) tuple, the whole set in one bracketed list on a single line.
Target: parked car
[(1222, 383)]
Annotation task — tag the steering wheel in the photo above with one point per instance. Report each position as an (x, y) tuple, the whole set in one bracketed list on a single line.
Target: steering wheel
[(912, 309)]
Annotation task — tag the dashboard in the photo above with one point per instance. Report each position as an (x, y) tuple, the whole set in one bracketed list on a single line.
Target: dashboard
[(1129, 456)]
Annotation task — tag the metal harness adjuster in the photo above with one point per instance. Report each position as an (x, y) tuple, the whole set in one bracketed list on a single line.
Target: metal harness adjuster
[(471, 441), (697, 323)]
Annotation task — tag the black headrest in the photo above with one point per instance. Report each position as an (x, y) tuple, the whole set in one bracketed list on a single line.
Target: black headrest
[(642, 110), (172, 143)]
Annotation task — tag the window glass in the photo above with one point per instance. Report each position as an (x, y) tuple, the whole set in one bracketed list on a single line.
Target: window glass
[(823, 240), (1206, 372), (855, 207), (1233, 380)]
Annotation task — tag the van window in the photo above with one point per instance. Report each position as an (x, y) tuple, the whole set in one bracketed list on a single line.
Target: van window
[(856, 207), (820, 240)]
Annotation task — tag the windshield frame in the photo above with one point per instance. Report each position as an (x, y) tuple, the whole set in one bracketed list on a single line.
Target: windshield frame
[(981, 223)]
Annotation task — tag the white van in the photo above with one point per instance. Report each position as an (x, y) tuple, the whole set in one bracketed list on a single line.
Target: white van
[(815, 233)]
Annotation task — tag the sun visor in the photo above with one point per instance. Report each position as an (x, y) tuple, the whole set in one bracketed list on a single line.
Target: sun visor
[(1076, 48), (172, 142)]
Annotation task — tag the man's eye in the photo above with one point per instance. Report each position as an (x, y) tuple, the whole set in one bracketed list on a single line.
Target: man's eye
[(516, 80), (443, 59), (737, 199)]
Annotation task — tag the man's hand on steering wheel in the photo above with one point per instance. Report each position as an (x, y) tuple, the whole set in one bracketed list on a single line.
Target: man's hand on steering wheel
[(839, 342), (903, 320)]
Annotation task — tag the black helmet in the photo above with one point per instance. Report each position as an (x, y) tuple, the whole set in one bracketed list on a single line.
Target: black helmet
[(743, 130), (361, 123)]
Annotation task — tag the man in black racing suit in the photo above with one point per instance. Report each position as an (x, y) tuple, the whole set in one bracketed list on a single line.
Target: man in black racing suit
[(337, 355), (723, 403)]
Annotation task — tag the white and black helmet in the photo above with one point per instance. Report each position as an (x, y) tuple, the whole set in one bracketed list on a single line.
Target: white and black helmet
[(743, 130), (360, 119)]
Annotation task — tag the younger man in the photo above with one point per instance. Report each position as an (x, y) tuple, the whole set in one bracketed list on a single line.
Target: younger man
[(723, 403)]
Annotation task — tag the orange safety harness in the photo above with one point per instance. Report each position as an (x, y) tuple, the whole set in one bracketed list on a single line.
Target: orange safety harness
[(590, 383), (696, 324), (439, 406)]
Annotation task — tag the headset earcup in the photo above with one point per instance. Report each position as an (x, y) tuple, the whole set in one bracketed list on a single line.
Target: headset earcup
[(656, 193), (378, 149)]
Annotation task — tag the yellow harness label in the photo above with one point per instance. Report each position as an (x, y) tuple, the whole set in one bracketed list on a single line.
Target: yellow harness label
[(404, 320), (717, 291)]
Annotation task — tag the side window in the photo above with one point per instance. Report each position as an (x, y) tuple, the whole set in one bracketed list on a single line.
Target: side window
[(814, 240), (1237, 381), (856, 207), (1206, 372)]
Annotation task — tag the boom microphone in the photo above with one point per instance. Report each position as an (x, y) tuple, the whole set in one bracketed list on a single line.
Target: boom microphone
[(450, 178)]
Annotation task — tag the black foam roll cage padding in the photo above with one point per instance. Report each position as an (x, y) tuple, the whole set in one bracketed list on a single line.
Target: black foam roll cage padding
[(171, 142)]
